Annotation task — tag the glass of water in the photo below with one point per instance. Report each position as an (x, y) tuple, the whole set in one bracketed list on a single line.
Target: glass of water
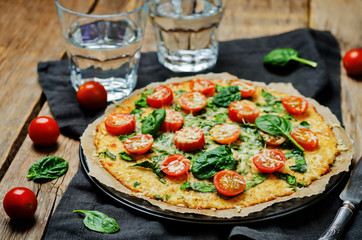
[(104, 45), (186, 33)]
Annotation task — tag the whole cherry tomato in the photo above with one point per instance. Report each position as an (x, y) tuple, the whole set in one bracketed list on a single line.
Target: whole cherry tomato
[(229, 183), (92, 96), (352, 61), (43, 131), (20, 203)]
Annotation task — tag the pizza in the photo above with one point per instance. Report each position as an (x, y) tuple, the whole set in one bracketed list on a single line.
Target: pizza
[(214, 144)]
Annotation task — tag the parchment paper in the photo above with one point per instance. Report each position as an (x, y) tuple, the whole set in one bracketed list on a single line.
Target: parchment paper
[(342, 161)]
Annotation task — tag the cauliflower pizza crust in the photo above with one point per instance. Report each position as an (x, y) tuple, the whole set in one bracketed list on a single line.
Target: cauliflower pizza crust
[(305, 173)]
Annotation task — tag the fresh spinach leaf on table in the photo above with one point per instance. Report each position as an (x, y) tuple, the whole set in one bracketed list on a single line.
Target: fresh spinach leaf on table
[(47, 168), (98, 221), (281, 56)]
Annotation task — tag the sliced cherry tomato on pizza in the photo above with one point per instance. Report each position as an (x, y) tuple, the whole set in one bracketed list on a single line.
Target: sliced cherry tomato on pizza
[(189, 139), (243, 111), (175, 165), (173, 121), (225, 133), (269, 160), (273, 140), (120, 123), (229, 183), (295, 105), (162, 96), (138, 144), (192, 101), (305, 137), (247, 89), (203, 86)]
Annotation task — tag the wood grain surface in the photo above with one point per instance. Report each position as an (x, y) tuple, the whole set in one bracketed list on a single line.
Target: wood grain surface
[(29, 33)]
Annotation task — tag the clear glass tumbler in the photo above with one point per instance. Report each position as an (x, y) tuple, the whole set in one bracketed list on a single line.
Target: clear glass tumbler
[(104, 45), (186, 33)]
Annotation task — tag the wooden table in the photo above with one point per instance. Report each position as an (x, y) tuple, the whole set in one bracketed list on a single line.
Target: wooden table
[(29, 33)]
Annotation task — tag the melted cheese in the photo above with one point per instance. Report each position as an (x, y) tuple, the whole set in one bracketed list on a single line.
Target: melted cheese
[(149, 185)]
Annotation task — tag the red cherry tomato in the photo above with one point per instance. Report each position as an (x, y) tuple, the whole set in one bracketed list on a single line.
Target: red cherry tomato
[(352, 61), (175, 165), (269, 160), (92, 96), (20, 203), (173, 121), (229, 183), (192, 101), (295, 105), (189, 139), (273, 140), (305, 137), (247, 89), (138, 144), (120, 123), (225, 133), (203, 86), (43, 131), (162, 96), (243, 111)]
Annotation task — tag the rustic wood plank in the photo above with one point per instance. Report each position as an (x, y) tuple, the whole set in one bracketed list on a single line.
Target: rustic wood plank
[(343, 19), (48, 194), (29, 34)]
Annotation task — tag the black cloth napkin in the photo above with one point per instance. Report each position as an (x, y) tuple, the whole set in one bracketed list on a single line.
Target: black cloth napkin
[(242, 58)]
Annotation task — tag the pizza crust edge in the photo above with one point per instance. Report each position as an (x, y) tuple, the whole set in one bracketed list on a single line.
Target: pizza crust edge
[(341, 164)]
